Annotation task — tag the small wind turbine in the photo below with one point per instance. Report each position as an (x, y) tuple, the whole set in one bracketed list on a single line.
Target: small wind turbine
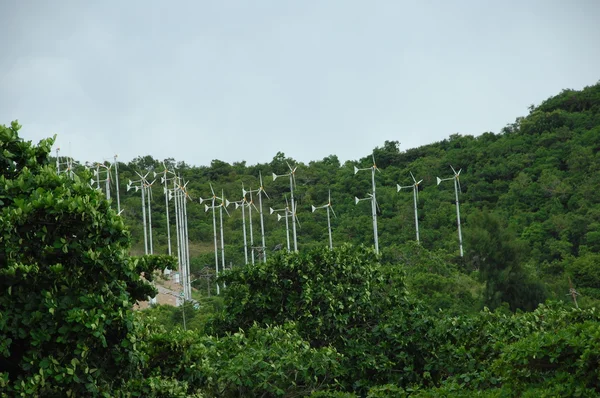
[(455, 177), (116, 164), (164, 180), (138, 185), (261, 190), (292, 175), (373, 200), (243, 203), (287, 212), (181, 196), (212, 207), (328, 207), (415, 188)]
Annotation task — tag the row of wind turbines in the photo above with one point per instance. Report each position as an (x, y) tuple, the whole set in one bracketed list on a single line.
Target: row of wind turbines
[(180, 196)]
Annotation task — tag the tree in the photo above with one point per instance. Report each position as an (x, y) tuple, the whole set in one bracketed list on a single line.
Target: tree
[(67, 283), (493, 249)]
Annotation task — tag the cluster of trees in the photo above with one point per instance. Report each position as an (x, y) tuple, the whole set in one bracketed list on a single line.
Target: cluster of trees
[(416, 320), (535, 184)]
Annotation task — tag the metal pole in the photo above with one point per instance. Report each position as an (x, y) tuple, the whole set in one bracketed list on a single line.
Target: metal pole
[(458, 216), (262, 224), (244, 227), (167, 211), (251, 231), (415, 187), (107, 183), (329, 228), (57, 161), (374, 209), (216, 245), (177, 226), (117, 184), (187, 247), (287, 229), (148, 192), (293, 210), (144, 217), (222, 239)]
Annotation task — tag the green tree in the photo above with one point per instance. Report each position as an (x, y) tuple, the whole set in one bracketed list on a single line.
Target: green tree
[(493, 249), (67, 283)]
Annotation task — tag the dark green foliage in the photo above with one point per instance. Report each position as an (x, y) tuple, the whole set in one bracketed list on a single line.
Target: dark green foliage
[(264, 361), (66, 326), (494, 251)]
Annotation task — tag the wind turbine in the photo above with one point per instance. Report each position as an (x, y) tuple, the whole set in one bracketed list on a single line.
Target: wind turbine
[(287, 212), (206, 209), (116, 164), (415, 188), (260, 190), (243, 203), (181, 196), (455, 177), (292, 175), (138, 185), (223, 205), (328, 207), (164, 179), (149, 193), (373, 200)]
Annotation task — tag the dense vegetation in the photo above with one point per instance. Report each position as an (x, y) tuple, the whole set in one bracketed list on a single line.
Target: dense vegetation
[(417, 320)]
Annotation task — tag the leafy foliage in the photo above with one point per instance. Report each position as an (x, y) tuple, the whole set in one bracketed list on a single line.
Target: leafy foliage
[(66, 326)]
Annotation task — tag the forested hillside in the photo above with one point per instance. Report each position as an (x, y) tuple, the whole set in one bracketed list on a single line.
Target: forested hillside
[(515, 316), (532, 190)]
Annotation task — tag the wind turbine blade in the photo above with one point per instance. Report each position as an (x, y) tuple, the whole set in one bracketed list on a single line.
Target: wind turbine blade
[(420, 181), (413, 177), (297, 221), (331, 207), (438, 180), (459, 188), (453, 169), (373, 157), (265, 192), (211, 189), (329, 198), (459, 170), (355, 169), (226, 211)]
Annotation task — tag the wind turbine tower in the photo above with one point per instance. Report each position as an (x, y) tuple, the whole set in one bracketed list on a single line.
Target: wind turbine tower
[(373, 200), (415, 188), (164, 179), (328, 207), (287, 213), (292, 175), (455, 177)]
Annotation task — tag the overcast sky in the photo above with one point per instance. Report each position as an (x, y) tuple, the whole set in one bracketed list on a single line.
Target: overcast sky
[(242, 80)]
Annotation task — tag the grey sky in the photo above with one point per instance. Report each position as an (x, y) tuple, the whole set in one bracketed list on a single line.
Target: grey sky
[(242, 80)]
